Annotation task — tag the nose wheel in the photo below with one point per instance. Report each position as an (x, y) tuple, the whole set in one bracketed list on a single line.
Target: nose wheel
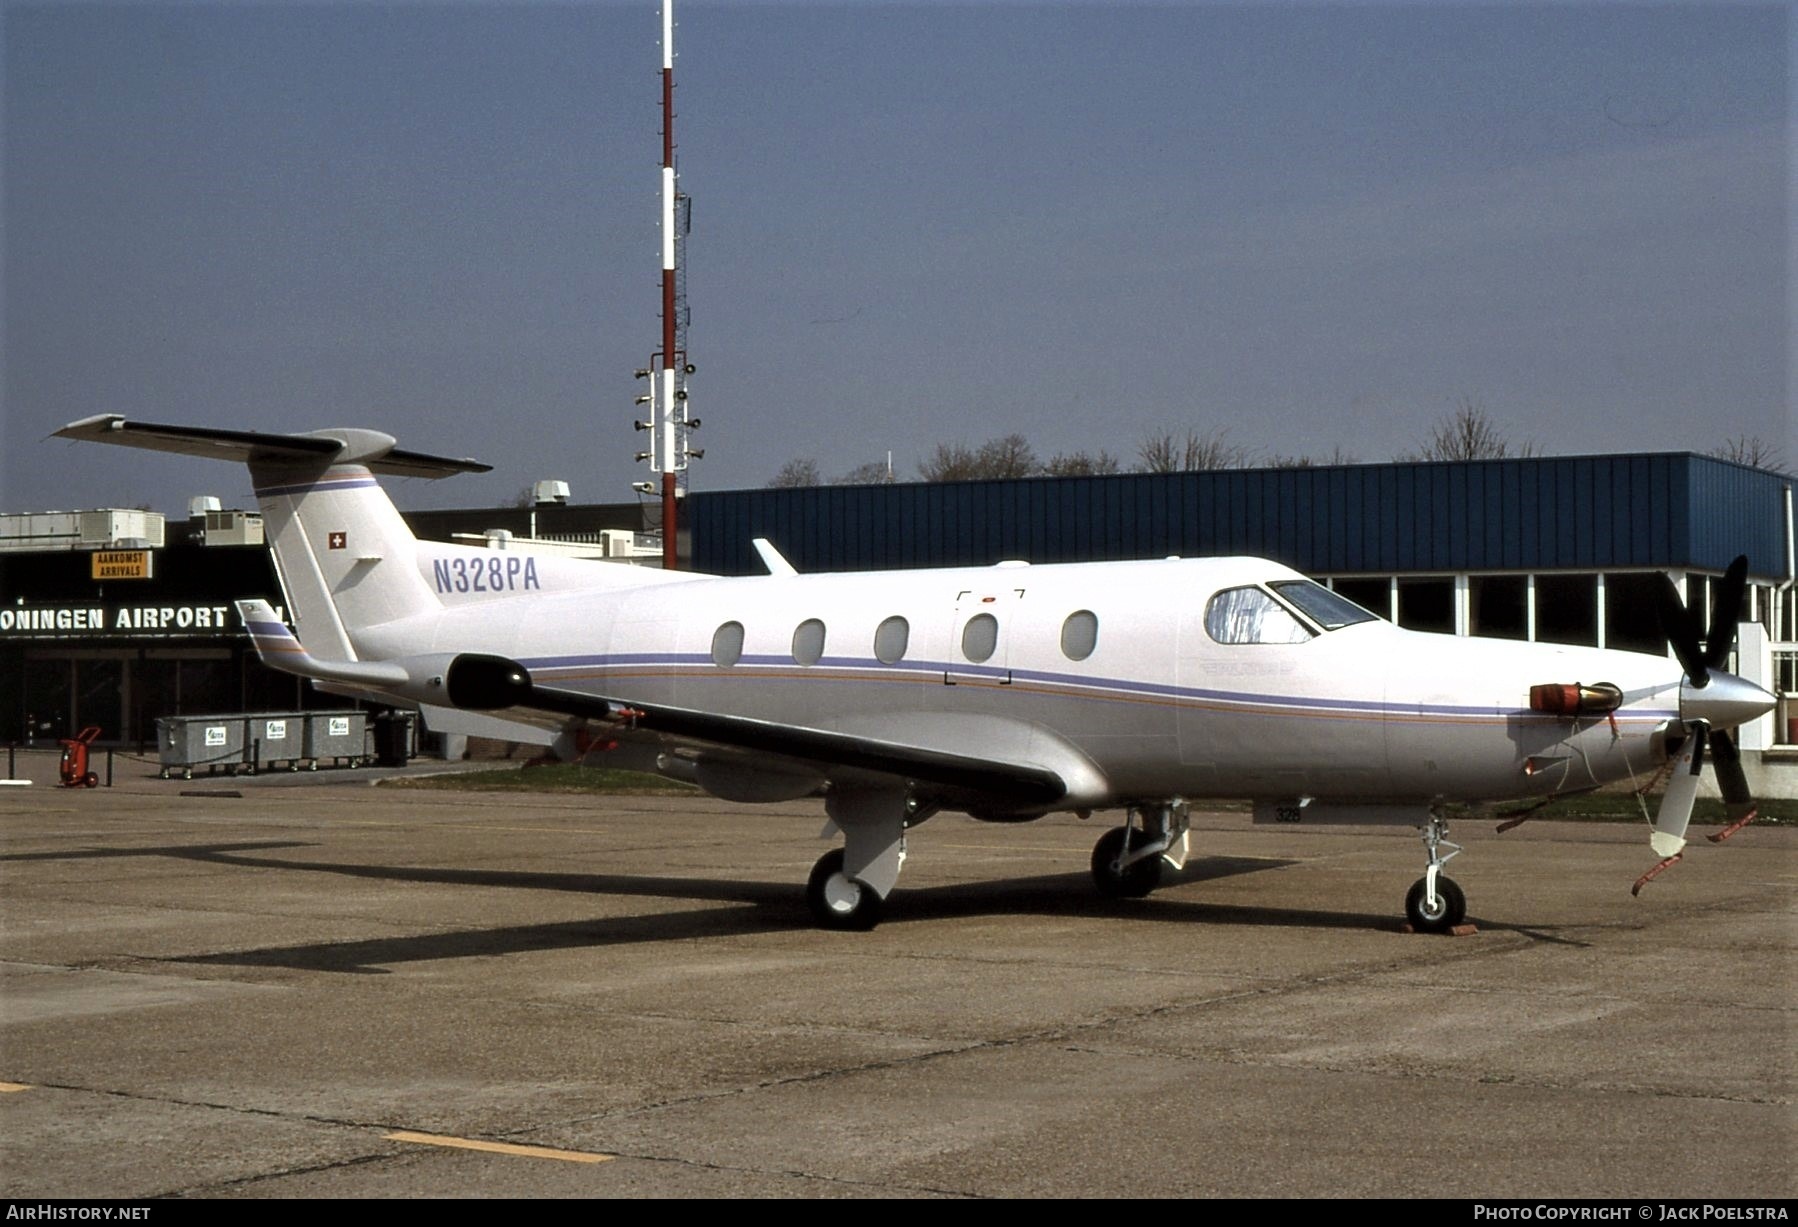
[(1438, 915), (1435, 904)]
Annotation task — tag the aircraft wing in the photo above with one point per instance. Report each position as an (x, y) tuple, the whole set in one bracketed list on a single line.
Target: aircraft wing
[(504, 688), (826, 748)]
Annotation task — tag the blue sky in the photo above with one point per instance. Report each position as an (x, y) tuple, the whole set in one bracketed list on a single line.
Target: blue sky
[(1314, 227)]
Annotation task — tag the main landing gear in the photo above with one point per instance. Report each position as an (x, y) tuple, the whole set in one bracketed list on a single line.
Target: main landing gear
[(849, 885), (839, 900), (1127, 860), (1434, 904)]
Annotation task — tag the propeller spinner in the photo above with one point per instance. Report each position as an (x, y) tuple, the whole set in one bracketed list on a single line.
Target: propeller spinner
[(1711, 703)]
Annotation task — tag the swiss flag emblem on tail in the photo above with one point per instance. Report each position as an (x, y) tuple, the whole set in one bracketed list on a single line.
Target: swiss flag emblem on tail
[(340, 541)]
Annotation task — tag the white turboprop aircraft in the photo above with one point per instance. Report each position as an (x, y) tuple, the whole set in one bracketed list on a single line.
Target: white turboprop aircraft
[(1007, 692)]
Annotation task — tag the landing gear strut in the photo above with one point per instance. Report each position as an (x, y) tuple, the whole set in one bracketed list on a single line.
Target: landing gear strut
[(1127, 860), (849, 886), (1434, 904)]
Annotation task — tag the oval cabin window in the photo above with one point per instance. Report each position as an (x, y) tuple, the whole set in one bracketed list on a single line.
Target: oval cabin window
[(890, 640), (808, 642), (980, 637), (727, 644), (1080, 634)]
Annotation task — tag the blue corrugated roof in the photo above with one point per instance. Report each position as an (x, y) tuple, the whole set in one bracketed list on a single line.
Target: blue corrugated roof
[(1676, 510)]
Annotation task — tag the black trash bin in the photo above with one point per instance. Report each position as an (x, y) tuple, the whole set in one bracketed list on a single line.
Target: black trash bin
[(393, 738)]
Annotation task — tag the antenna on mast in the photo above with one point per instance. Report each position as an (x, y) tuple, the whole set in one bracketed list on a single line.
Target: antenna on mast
[(669, 422)]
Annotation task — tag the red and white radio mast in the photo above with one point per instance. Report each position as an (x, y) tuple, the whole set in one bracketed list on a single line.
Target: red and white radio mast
[(668, 369)]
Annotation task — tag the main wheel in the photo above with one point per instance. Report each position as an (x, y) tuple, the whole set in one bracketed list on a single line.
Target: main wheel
[(839, 901), (1450, 909), (1135, 880), (90, 780)]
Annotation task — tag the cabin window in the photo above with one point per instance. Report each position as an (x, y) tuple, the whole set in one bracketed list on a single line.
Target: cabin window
[(980, 637), (727, 644), (1080, 634), (890, 639), (1249, 615), (808, 642)]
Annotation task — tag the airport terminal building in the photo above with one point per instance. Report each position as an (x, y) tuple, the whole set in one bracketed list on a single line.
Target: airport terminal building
[(107, 623)]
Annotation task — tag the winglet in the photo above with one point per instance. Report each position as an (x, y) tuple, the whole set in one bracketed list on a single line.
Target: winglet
[(279, 649), (772, 558)]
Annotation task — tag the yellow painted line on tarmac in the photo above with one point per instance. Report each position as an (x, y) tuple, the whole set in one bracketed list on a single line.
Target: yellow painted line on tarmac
[(499, 1148), (7, 1087)]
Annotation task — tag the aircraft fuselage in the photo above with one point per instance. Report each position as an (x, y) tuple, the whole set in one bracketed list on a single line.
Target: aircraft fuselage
[(1114, 660)]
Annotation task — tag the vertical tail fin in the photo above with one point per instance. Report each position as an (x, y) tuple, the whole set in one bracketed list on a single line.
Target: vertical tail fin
[(345, 557)]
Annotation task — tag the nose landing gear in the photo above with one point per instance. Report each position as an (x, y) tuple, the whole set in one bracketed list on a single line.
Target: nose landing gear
[(1435, 904)]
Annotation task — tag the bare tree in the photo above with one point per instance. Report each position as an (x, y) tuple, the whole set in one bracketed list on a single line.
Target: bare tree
[(1469, 433), (949, 462), (873, 473), (1753, 451), (1280, 460), (1010, 456), (524, 500), (1081, 464), (1195, 453), (800, 471)]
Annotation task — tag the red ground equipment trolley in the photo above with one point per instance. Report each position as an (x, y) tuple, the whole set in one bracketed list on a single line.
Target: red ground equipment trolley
[(75, 773)]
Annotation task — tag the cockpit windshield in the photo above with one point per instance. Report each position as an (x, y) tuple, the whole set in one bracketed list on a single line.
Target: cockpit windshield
[(1322, 606)]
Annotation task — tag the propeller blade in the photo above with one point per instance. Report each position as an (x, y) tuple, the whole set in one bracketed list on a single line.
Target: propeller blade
[(1675, 814), (1732, 782), (1678, 625), (1726, 761), (1726, 612)]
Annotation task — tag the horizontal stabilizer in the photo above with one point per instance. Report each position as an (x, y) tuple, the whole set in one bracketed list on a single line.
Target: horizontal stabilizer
[(369, 448), (279, 649)]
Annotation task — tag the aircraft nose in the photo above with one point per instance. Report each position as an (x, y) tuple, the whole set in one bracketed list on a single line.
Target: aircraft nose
[(1726, 703)]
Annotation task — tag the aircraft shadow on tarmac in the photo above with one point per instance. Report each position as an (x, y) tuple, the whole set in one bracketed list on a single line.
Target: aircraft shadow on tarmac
[(749, 907)]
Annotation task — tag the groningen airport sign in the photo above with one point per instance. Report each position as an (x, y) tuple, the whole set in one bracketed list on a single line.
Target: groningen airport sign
[(122, 620)]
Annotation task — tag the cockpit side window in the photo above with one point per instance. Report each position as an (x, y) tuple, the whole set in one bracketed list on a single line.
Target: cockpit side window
[(1249, 615)]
